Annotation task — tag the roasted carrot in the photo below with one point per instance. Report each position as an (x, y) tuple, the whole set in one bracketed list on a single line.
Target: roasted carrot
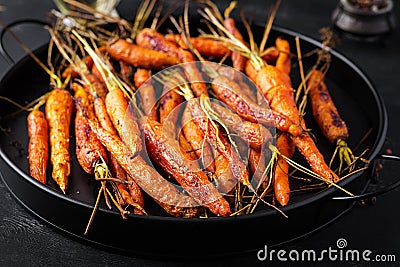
[(206, 47), (195, 137), (256, 135), (123, 196), (238, 77), (281, 171), (123, 119), (162, 191), (135, 195), (215, 138), (59, 107), (147, 93), (257, 166), (283, 143), (96, 84), (228, 92), (238, 60), (274, 84), (166, 153), (138, 56), (169, 101), (88, 61), (283, 62), (185, 146), (89, 150), (151, 39), (324, 110), (224, 179), (271, 55), (306, 146), (328, 118), (96, 73), (38, 147)]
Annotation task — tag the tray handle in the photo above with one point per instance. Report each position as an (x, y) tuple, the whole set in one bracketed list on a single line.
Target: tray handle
[(8, 27), (384, 190)]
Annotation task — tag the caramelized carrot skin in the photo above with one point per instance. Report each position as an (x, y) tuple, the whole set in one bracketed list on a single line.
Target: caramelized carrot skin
[(185, 146), (98, 86), (123, 119), (254, 134), (147, 93), (151, 39), (168, 102), (257, 165), (162, 191), (283, 62), (135, 194), (140, 57), (89, 150), (239, 169), (206, 47), (281, 179), (124, 198), (226, 182), (228, 92), (324, 109), (38, 146), (195, 138), (276, 87), (166, 153), (59, 107), (238, 60), (315, 159), (88, 147)]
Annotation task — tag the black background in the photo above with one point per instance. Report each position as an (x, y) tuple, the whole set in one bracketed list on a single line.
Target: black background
[(25, 241)]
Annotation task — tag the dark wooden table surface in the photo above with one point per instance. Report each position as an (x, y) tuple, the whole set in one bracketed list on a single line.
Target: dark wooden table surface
[(26, 241)]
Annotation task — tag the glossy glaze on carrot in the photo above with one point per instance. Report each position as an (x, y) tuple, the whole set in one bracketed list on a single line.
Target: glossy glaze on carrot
[(138, 56), (88, 148), (38, 146), (165, 152), (324, 109), (281, 172), (228, 92), (163, 192), (147, 93), (59, 107)]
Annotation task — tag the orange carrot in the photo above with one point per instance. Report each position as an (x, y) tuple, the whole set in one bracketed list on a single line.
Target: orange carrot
[(138, 56), (135, 195), (324, 109), (147, 93), (195, 137), (283, 62), (162, 191), (281, 171), (89, 150), (166, 153), (123, 119), (151, 39), (206, 47), (238, 60), (38, 147), (59, 106)]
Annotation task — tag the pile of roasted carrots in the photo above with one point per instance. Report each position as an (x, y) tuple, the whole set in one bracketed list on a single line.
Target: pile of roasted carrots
[(179, 136)]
